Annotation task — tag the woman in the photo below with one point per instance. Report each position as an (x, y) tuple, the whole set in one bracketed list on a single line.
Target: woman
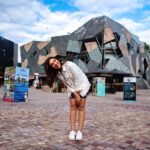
[(77, 87)]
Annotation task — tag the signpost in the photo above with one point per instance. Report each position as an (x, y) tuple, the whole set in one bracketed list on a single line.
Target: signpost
[(129, 88)]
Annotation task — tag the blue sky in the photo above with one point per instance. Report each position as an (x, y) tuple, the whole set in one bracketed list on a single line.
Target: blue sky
[(23, 21)]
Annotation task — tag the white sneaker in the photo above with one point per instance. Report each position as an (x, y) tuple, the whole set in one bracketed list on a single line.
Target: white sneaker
[(72, 135), (79, 135)]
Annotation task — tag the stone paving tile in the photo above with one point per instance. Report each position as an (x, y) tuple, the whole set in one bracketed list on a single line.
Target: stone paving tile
[(42, 123)]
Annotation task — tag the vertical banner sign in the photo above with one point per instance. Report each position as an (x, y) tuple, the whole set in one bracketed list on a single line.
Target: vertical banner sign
[(129, 88), (21, 84), (16, 82), (9, 80), (100, 86)]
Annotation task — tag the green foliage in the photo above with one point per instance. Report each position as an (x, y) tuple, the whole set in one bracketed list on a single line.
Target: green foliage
[(146, 46)]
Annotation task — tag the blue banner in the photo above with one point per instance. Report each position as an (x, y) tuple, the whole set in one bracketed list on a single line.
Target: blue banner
[(21, 84)]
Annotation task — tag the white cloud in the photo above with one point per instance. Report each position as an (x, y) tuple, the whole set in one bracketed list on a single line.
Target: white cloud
[(39, 20), (111, 7), (39, 23), (42, 23), (144, 35), (140, 29), (131, 25)]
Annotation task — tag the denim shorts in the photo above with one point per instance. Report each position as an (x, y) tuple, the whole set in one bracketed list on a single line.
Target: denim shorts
[(71, 96)]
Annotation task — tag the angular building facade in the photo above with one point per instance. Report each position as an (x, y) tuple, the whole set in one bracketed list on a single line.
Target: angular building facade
[(100, 47), (32, 56)]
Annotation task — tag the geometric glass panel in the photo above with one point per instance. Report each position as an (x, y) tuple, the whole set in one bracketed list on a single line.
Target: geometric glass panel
[(74, 46)]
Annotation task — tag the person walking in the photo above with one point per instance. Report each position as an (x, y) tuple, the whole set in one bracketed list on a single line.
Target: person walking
[(77, 88)]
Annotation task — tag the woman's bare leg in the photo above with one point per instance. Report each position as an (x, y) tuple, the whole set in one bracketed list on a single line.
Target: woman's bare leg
[(73, 112), (81, 114)]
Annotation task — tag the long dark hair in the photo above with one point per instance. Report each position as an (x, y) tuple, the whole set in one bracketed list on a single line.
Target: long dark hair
[(51, 72)]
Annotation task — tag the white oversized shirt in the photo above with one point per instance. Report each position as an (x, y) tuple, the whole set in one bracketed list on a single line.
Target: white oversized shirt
[(74, 79)]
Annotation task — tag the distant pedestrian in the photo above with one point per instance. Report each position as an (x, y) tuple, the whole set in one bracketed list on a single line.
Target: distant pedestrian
[(77, 87)]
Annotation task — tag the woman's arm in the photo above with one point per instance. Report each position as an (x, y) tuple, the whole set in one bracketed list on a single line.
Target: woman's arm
[(77, 97)]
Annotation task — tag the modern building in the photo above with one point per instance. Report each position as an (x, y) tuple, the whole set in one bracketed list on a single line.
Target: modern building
[(8, 55), (101, 47)]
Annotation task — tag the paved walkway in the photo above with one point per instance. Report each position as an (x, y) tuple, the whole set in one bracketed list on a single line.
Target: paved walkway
[(42, 123)]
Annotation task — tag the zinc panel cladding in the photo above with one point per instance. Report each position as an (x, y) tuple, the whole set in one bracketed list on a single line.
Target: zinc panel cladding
[(133, 58), (90, 46), (127, 34), (41, 59), (109, 56), (125, 61), (142, 49), (108, 35), (24, 50), (123, 45), (42, 44), (89, 29), (30, 56), (113, 63), (132, 51), (74, 46), (92, 66), (137, 64), (42, 51), (134, 45), (47, 48), (111, 45), (95, 55), (140, 63), (79, 33), (115, 26), (81, 64), (26, 54), (131, 67), (136, 39), (33, 50), (93, 51), (53, 52), (42, 56), (27, 46), (95, 27), (33, 64), (60, 44), (25, 63)]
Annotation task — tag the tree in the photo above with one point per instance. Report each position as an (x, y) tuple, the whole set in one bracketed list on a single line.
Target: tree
[(146, 46)]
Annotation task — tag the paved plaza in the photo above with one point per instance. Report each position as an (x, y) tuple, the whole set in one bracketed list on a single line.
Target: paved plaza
[(42, 123)]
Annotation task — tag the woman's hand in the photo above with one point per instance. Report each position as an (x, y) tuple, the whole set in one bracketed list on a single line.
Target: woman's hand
[(77, 98)]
